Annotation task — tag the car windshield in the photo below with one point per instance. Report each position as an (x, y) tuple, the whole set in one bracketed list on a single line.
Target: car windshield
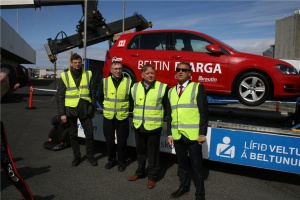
[(228, 46)]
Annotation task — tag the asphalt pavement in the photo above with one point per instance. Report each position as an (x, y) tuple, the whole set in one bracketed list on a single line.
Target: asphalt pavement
[(50, 174)]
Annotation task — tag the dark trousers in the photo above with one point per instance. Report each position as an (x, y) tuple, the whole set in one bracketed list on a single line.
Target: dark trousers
[(147, 146), (87, 126), (194, 150), (121, 128)]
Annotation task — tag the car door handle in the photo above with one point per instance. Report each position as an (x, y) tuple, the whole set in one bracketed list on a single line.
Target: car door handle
[(134, 55), (175, 56)]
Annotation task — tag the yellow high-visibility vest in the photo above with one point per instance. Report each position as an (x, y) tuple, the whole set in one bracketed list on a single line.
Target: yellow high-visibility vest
[(185, 113), (116, 101), (148, 108), (73, 94)]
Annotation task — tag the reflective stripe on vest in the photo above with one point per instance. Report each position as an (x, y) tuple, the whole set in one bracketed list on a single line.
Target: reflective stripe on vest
[(185, 113), (73, 94), (148, 108), (116, 101)]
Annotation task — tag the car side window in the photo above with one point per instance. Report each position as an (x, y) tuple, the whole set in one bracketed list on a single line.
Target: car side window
[(151, 41), (178, 44), (199, 45), (135, 43), (189, 42)]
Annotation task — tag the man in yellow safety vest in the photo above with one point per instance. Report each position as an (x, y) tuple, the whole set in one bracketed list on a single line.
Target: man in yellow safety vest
[(150, 102), (187, 129), (114, 96), (76, 99)]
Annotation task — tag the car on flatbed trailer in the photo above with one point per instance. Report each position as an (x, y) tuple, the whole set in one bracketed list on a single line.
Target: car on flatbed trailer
[(252, 79)]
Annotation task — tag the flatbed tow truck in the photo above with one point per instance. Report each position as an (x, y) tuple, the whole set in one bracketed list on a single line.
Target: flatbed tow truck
[(264, 136)]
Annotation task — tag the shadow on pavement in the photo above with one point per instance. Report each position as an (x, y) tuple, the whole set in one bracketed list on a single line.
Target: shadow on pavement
[(25, 172)]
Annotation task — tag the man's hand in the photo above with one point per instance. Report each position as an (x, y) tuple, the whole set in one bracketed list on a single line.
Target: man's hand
[(201, 139), (170, 140)]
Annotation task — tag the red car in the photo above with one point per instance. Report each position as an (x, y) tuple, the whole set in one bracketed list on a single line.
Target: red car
[(222, 69)]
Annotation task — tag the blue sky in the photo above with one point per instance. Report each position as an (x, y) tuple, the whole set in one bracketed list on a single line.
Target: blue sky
[(247, 26)]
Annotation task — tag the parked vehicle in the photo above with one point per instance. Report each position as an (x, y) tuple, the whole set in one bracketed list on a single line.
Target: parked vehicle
[(252, 79)]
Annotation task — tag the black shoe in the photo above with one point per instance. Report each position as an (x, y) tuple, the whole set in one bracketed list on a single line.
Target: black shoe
[(121, 167), (111, 164), (92, 161), (76, 161), (178, 193)]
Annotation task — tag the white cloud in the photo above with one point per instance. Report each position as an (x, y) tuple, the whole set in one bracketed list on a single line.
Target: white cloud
[(255, 46)]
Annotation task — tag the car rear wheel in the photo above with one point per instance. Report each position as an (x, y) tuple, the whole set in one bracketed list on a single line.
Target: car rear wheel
[(252, 88), (128, 73)]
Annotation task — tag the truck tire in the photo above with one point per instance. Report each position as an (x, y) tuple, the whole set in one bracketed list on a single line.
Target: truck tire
[(128, 73), (252, 88)]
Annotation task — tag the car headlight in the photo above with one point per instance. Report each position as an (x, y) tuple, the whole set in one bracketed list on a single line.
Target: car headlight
[(284, 69)]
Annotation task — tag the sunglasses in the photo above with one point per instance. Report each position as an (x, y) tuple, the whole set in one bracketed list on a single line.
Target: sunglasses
[(182, 69)]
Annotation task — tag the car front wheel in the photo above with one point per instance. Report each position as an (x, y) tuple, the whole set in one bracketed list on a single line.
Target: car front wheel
[(252, 88)]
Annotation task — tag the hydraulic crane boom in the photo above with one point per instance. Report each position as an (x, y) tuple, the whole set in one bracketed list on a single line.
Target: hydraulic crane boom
[(97, 30)]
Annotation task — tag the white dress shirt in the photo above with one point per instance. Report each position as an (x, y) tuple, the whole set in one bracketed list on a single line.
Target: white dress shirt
[(184, 86)]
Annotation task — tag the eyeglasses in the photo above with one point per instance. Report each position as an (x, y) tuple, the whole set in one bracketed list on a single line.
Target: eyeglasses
[(116, 69), (182, 69)]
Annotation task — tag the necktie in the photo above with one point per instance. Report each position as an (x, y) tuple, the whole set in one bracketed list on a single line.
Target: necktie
[(180, 90)]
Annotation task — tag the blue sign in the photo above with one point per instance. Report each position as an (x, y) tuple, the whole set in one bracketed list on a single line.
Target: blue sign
[(269, 151)]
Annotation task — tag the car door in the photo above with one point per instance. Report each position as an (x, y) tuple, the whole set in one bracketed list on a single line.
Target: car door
[(208, 68), (151, 48)]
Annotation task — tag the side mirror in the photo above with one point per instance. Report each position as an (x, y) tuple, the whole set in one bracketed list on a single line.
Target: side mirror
[(213, 48)]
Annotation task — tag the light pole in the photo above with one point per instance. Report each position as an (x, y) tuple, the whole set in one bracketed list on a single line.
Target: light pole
[(85, 32), (123, 27)]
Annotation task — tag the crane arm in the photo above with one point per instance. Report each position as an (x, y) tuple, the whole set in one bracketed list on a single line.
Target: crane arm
[(97, 31)]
